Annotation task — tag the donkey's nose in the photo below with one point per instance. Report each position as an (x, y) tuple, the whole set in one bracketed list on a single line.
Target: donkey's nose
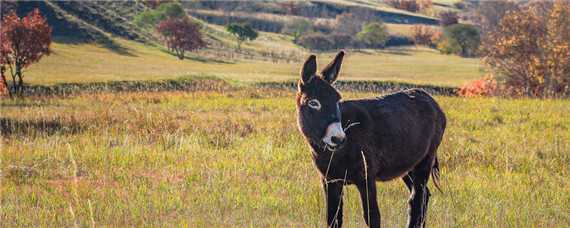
[(337, 140)]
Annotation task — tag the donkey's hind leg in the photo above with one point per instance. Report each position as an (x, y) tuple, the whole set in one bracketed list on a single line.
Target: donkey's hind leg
[(416, 181)]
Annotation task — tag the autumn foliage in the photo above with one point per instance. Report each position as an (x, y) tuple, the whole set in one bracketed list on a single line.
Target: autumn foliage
[(181, 35), (422, 35), (531, 49), (24, 41), (486, 86)]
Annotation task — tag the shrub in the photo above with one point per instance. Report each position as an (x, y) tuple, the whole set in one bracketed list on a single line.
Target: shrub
[(164, 11), (373, 35), (316, 41), (422, 35), (340, 40), (347, 23), (448, 46), (408, 5), (448, 18), (297, 28), (486, 86), (242, 32), (460, 39)]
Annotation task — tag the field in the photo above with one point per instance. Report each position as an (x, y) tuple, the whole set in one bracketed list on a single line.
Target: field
[(235, 157), (70, 63)]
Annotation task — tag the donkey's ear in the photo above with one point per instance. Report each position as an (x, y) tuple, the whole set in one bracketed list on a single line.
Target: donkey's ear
[(330, 73), (309, 69)]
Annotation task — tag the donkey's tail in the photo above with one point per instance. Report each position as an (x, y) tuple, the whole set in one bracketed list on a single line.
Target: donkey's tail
[(435, 174)]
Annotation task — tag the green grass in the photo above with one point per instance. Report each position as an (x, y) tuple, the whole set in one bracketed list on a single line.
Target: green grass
[(235, 158), (89, 63)]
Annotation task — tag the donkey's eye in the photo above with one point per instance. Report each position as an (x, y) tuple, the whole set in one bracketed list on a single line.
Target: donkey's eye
[(314, 104)]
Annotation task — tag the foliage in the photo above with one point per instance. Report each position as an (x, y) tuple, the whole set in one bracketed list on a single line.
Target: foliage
[(460, 39), (347, 23), (181, 35), (373, 35), (448, 18), (422, 35), (164, 11), (531, 48), (24, 41), (488, 14), (316, 41), (297, 28), (242, 32), (408, 5), (486, 86)]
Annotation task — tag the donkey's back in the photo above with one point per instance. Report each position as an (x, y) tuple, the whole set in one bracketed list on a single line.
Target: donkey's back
[(396, 131)]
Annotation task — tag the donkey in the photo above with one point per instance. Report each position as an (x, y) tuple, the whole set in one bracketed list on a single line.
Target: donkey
[(361, 141)]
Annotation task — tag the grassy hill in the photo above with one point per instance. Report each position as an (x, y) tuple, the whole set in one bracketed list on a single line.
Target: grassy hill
[(98, 42), (90, 62)]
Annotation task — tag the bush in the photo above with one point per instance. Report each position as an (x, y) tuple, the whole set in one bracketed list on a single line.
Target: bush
[(316, 41), (486, 86), (422, 35), (164, 11), (373, 35), (408, 5), (460, 39), (297, 28), (448, 18), (347, 23), (340, 40)]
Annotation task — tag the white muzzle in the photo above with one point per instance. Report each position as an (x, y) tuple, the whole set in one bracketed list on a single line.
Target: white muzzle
[(334, 130)]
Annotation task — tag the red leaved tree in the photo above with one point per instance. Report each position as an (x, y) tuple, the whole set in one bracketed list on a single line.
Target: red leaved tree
[(24, 41), (181, 35)]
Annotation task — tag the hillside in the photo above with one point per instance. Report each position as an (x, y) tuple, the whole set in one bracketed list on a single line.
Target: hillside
[(97, 41)]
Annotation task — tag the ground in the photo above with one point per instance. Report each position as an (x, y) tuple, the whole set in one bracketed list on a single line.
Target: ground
[(236, 158)]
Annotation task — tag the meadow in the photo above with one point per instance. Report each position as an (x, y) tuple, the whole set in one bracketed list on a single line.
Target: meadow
[(70, 63), (235, 157)]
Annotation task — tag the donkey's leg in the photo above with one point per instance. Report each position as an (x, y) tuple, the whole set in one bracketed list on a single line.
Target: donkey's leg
[(416, 181), (367, 192), (333, 192)]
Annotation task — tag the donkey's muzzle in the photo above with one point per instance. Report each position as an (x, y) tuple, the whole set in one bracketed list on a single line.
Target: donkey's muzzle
[(334, 135)]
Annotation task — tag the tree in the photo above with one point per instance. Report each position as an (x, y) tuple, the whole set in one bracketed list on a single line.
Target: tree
[(316, 41), (530, 48), (489, 14), (181, 35), (164, 11), (422, 35), (373, 35), (448, 18), (347, 23), (465, 37), (297, 28), (24, 41), (242, 32)]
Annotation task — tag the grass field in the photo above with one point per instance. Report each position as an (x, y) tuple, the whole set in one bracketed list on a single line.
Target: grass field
[(236, 158), (88, 63)]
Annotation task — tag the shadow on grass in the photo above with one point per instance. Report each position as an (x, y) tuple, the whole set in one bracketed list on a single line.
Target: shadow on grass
[(101, 40), (395, 51), (11, 127), (198, 58)]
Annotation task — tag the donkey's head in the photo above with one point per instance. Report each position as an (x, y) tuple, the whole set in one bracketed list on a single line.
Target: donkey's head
[(318, 109)]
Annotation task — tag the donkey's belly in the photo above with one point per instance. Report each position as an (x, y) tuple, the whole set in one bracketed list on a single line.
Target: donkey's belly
[(397, 163)]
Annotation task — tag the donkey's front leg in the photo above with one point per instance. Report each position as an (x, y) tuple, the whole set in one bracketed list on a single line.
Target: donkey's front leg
[(333, 191), (367, 191)]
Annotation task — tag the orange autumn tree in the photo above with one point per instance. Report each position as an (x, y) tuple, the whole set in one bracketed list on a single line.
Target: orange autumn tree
[(24, 41), (531, 49)]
